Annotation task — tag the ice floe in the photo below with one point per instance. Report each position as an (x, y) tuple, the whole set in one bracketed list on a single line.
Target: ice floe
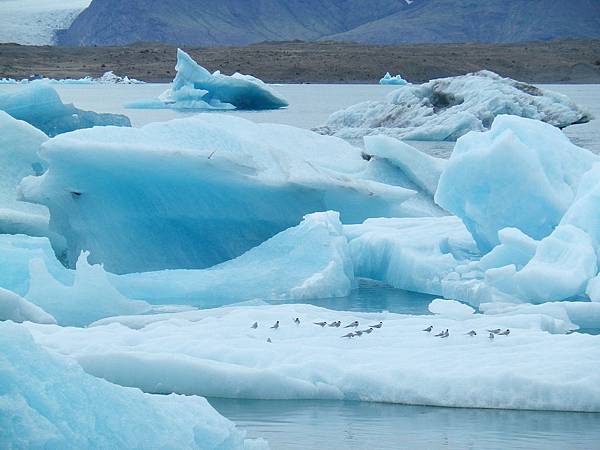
[(40, 105), (194, 87), (446, 108), (217, 353), (47, 401)]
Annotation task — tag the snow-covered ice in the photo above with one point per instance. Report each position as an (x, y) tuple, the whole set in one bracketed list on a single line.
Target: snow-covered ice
[(106, 78), (394, 80), (196, 88), (447, 108), (194, 192), (217, 353), (16, 308), (40, 105), (47, 401)]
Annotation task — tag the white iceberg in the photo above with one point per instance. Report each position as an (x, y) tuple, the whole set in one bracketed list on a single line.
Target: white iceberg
[(40, 105), (522, 174), (195, 192), (217, 353), (393, 80), (447, 108), (194, 87), (47, 401)]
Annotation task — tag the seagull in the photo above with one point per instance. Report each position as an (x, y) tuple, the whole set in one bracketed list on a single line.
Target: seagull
[(379, 325), (349, 335), (504, 333), (440, 334), (276, 325), (335, 324), (254, 325), (446, 334), (368, 330), (352, 325), (429, 328), (297, 321), (472, 333), (269, 340), (358, 333), (491, 336), (495, 331), (321, 324)]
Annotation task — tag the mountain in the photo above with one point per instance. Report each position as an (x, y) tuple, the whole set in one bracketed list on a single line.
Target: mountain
[(235, 22)]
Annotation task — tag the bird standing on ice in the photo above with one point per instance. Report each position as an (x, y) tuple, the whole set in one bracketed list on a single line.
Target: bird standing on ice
[(429, 328), (368, 330), (297, 321), (276, 325), (504, 333), (352, 325), (491, 336), (349, 335), (472, 333), (440, 334), (321, 324), (495, 331), (379, 325), (254, 325), (335, 324)]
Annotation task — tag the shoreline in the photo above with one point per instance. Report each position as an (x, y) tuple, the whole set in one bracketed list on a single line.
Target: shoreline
[(554, 62)]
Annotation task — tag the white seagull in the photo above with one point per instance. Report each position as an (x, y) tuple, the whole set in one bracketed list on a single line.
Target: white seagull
[(321, 324), (276, 325), (379, 325), (254, 325), (352, 325)]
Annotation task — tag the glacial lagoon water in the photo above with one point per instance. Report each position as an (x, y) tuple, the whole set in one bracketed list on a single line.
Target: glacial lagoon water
[(306, 425)]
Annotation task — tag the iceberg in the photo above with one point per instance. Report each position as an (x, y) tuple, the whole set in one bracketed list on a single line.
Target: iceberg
[(521, 174), (47, 401), (311, 260), (106, 78), (40, 105), (195, 192), (413, 254), (17, 309), (447, 108), (396, 80), (194, 87), (217, 353)]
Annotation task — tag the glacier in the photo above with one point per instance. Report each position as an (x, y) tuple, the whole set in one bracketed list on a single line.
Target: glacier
[(195, 192), (393, 80), (195, 88), (216, 353), (40, 105), (447, 108), (47, 401)]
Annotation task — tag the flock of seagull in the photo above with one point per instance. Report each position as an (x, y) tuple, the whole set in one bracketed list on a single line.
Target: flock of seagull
[(338, 323)]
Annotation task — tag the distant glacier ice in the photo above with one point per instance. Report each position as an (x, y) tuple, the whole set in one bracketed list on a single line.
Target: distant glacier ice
[(195, 88), (447, 108)]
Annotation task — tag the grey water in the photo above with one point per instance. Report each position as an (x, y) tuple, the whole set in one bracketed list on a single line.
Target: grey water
[(333, 425), (338, 425)]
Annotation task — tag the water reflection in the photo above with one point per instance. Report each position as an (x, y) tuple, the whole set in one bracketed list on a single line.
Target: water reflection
[(290, 425)]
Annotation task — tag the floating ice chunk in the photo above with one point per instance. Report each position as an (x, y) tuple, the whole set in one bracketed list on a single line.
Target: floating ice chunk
[(107, 78), (522, 174), (90, 297), (395, 80), (16, 308), (451, 309), (47, 401), (410, 253), (194, 87), (310, 260), (195, 192), (420, 168), (39, 104), (216, 353), (447, 108)]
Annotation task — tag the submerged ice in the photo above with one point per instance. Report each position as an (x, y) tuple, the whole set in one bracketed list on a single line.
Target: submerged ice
[(447, 108), (194, 87), (40, 105)]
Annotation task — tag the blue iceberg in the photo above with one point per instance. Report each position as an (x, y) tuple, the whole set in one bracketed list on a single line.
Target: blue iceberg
[(390, 80), (40, 105), (194, 87)]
